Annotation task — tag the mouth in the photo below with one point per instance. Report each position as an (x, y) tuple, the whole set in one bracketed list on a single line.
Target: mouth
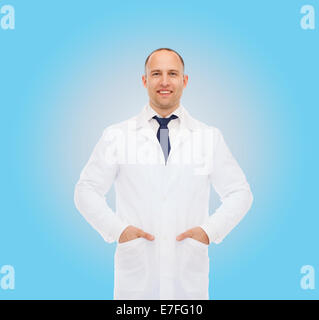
[(164, 93)]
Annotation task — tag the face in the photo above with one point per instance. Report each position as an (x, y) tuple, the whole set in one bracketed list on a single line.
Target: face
[(164, 80)]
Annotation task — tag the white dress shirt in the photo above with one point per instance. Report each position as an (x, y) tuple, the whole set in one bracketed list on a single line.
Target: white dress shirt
[(173, 126)]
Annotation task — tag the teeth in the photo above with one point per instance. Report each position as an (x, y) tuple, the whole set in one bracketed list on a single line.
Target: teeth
[(164, 91)]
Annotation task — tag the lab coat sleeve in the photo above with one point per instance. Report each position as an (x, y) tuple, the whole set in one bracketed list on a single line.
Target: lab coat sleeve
[(95, 181), (234, 191)]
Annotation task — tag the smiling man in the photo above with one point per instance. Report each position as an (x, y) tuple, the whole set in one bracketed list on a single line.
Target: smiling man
[(165, 80), (162, 224)]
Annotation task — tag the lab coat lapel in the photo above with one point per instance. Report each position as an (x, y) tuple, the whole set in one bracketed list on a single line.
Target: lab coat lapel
[(183, 135), (187, 126), (144, 128)]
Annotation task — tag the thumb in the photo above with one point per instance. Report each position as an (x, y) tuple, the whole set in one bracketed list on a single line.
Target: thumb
[(183, 236), (147, 236)]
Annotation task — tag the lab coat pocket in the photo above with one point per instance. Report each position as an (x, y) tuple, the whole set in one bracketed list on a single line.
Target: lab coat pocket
[(195, 268), (130, 268)]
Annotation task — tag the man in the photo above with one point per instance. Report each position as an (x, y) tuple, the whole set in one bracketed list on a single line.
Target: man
[(162, 163)]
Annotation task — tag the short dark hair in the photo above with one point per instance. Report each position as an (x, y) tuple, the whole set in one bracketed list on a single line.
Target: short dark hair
[(167, 49)]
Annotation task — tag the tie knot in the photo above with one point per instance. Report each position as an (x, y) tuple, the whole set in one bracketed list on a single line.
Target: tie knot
[(163, 122)]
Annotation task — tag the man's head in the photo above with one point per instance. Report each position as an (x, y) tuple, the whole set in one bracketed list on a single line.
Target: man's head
[(164, 79)]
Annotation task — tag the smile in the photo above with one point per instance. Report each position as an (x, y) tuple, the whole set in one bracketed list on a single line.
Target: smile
[(164, 93)]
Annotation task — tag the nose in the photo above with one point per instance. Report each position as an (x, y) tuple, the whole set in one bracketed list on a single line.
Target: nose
[(164, 80)]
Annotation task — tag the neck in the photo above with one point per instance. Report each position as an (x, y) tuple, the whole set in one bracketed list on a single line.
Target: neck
[(164, 112)]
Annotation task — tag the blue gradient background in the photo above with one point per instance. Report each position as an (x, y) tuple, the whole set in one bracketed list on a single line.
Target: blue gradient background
[(70, 69)]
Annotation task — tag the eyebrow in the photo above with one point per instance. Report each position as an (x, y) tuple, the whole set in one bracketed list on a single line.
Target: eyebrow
[(161, 70)]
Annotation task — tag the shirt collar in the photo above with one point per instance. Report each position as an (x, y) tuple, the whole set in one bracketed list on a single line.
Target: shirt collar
[(148, 113)]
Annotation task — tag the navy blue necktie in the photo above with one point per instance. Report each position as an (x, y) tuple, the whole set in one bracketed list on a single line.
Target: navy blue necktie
[(162, 134)]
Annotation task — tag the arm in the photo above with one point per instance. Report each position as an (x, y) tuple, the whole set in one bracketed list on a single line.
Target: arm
[(95, 181), (230, 183)]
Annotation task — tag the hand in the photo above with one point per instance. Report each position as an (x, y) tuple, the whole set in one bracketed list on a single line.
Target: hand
[(131, 233), (196, 233)]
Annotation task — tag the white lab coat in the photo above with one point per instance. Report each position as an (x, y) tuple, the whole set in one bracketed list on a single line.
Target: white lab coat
[(163, 199)]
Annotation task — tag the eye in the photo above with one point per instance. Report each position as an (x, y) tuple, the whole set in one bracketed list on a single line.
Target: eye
[(155, 74), (173, 74)]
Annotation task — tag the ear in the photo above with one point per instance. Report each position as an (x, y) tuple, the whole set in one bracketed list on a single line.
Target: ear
[(185, 80), (144, 80)]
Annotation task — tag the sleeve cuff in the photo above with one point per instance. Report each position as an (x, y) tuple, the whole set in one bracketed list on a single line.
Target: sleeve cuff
[(119, 229), (211, 232)]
